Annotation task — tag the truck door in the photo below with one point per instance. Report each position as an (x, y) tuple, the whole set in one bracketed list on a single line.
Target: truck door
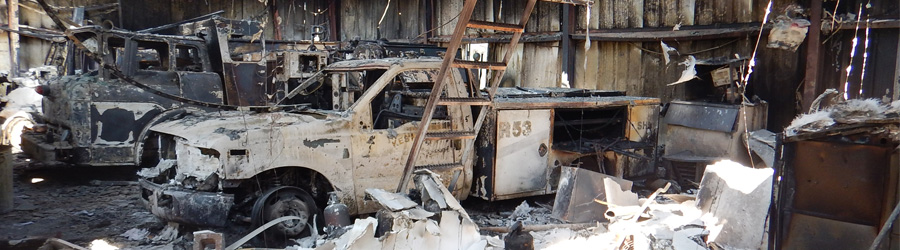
[(385, 117)]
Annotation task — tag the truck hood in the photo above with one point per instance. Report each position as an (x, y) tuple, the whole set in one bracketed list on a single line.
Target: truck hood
[(219, 129)]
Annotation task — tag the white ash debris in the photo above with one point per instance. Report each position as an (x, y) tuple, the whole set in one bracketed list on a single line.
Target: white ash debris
[(810, 122), (162, 166), (847, 112), (410, 227), (729, 212), (521, 211), (669, 226), (689, 73), (859, 110), (893, 110)]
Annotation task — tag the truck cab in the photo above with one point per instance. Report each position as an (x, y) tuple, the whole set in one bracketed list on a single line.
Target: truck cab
[(94, 118)]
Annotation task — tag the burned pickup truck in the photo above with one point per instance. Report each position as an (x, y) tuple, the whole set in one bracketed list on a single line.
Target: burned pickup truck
[(252, 167)]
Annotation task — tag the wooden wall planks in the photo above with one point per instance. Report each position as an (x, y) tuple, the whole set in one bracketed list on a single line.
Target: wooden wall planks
[(636, 68)]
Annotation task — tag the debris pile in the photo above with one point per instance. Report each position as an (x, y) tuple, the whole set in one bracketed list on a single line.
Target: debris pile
[(537, 214), (437, 221), (729, 212), (841, 115)]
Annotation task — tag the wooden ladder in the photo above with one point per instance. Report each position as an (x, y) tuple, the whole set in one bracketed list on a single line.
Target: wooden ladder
[(475, 98)]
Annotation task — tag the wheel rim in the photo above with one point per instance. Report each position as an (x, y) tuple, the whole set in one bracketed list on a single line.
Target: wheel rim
[(287, 203), (284, 201)]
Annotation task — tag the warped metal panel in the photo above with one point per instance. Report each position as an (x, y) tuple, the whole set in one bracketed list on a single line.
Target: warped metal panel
[(523, 140), (706, 116)]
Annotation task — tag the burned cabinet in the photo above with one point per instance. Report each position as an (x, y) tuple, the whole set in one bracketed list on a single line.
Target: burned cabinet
[(531, 134), (696, 134), (836, 189)]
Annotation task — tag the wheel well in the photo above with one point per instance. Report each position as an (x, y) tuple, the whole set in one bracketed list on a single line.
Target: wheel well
[(316, 184), (143, 153), (8, 126)]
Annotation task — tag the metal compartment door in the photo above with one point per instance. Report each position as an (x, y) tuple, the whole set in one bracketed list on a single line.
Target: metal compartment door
[(523, 140)]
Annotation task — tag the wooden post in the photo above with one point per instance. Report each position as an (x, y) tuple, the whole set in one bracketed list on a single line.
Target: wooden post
[(333, 21), (896, 95), (13, 21), (429, 19), (6, 179), (568, 48), (813, 47)]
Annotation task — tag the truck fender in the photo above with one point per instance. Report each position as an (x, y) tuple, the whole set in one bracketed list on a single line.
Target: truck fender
[(162, 117), (344, 193)]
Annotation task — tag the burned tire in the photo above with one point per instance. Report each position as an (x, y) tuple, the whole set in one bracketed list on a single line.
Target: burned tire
[(284, 201)]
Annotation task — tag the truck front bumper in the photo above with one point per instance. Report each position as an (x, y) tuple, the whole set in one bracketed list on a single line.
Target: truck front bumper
[(35, 146), (186, 206)]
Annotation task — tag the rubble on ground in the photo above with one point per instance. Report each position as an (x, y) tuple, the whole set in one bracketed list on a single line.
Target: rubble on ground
[(730, 213), (735, 219), (405, 224)]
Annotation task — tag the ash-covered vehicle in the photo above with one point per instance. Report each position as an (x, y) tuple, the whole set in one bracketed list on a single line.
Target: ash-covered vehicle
[(101, 114), (252, 167)]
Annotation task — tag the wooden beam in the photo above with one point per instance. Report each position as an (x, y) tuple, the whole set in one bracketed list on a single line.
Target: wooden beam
[(39, 33), (896, 91), (429, 18), (686, 33), (813, 49), (872, 24), (13, 21), (276, 20), (333, 27), (698, 32)]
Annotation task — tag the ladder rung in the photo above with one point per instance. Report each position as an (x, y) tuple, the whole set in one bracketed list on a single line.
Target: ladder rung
[(439, 166), (478, 65), (474, 101), (495, 26), (450, 135)]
